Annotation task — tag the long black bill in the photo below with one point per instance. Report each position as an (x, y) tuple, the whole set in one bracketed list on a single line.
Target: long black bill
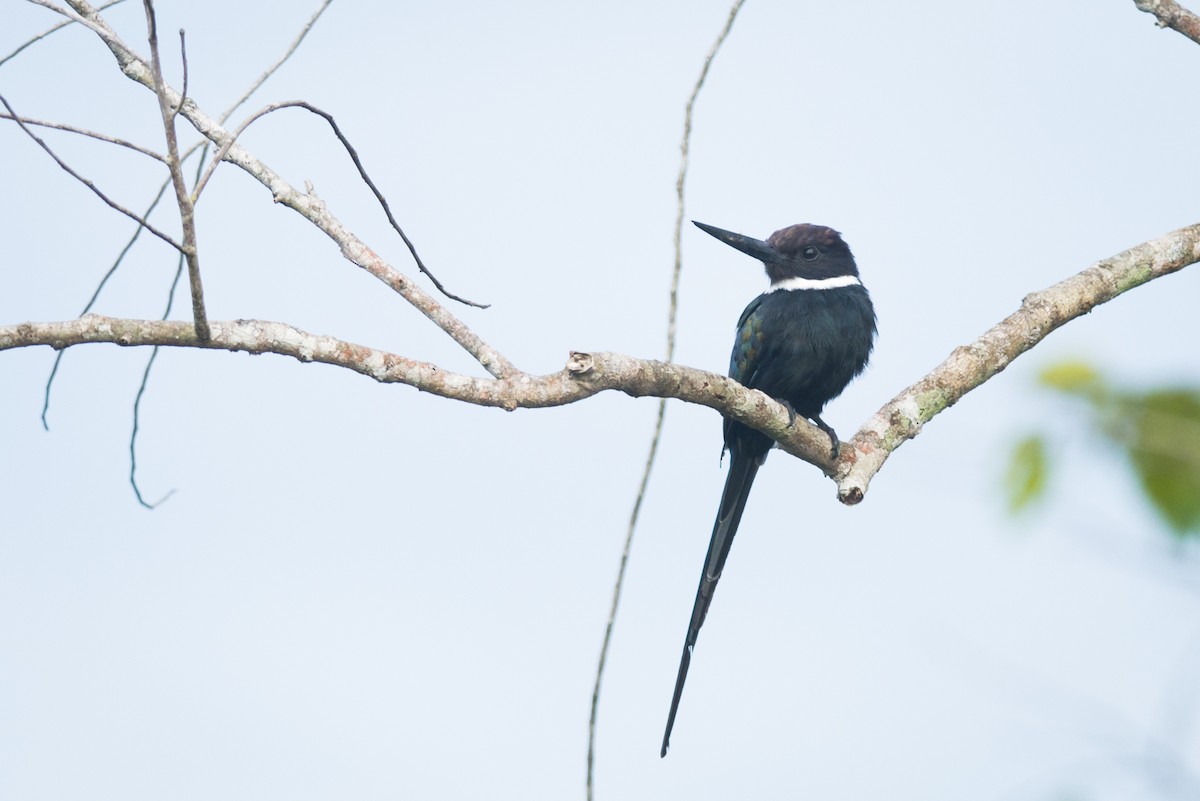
[(746, 244)]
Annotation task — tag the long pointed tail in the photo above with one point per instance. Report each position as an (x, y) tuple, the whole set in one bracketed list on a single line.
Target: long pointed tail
[(742, 470)]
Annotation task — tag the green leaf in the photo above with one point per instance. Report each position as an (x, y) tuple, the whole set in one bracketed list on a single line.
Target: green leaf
[(1028, 470), (1165, 452)]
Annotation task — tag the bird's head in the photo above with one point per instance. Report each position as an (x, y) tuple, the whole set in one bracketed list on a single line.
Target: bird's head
[(813, 252)]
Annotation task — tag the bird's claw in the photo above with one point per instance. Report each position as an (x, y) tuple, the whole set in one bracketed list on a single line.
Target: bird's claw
[(836, 445), (790, 410)]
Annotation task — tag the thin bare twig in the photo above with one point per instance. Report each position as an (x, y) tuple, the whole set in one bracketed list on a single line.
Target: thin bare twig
[(49, 31), (1170, 14), (95, 296), (204, 143), (94, 23), (203, 146), (184, 64), (187, 211), (358, 165), (196, 182), (137, 401), (61, 126), (307, 204), (254, 87), (345, 143), (656, 437), (111, 270), (86, 182)]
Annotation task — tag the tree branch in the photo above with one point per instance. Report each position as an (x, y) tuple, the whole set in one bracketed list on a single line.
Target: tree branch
[(279, 62), (85, 181), (96, 296), (46, 33), (970, 365), (307, 205), (162, 189), (62, 126), (587, 374), (187, 210), (1170, 14), (362, 172)]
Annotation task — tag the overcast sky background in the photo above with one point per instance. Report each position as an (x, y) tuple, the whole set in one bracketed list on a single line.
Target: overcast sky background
[(362, 592)]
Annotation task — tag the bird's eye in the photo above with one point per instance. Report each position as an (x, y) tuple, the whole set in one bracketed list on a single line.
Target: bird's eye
[(810, 253)]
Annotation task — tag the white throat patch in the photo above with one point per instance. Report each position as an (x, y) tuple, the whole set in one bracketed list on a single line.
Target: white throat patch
[(789, 284)]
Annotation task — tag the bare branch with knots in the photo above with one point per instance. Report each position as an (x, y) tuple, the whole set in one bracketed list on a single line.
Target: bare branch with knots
[(587, 374), (1169, 14), (307, 204), (169, 108)]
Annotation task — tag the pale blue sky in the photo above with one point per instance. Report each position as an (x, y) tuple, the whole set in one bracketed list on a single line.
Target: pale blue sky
[(362, 592)]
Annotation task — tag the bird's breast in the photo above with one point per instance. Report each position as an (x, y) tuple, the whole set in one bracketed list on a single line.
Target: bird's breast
[(804, 346)]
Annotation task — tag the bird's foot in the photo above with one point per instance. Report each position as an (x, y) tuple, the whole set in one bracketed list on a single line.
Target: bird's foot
[(791, 411), (833, 437)]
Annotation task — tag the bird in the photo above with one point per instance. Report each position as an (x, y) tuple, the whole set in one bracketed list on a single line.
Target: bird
[(800, 342)]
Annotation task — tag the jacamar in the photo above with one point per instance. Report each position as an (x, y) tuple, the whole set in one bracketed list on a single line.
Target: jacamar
[(800, 342)]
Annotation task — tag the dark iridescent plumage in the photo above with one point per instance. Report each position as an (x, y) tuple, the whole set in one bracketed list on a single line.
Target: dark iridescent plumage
[(801, 342)]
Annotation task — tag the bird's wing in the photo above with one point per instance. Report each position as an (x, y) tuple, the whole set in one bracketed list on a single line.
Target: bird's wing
[(749, 344)]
